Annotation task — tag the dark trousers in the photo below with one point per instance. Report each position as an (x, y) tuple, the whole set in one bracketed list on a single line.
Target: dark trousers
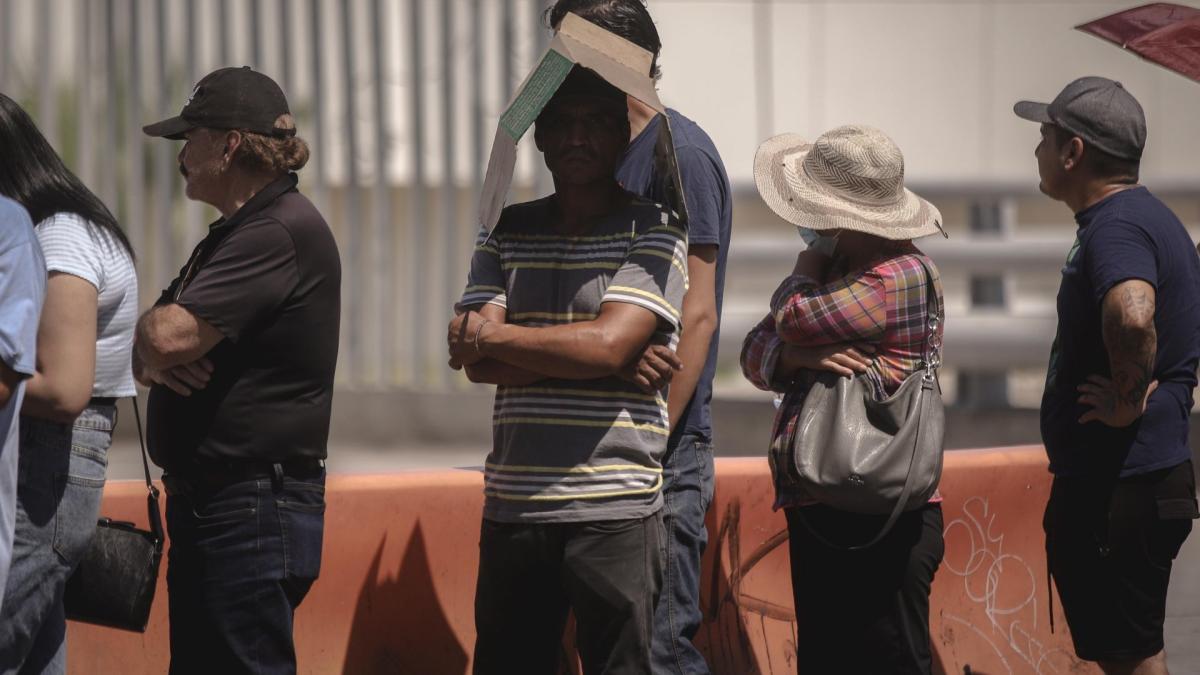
[(1110, 544), (530, 575), (687, 492), (242, 557), (863, 611)]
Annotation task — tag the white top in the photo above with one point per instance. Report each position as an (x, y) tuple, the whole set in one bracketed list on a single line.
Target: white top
[(74, 246)]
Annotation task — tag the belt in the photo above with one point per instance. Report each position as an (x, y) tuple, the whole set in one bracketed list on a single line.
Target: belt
[(210, 475)]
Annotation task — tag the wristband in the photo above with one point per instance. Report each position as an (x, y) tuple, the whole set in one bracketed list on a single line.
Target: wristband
[(478, 331)]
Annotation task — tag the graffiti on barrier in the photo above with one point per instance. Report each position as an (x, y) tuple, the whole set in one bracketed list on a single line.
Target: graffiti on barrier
[(1004, 586)]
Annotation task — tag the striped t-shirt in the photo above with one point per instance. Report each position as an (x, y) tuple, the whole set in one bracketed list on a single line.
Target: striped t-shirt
[(74, 246), (578, 450)]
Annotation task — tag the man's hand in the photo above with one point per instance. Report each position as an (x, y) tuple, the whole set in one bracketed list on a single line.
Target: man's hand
[(653, 369), (1107, 403), (811, 264), (462, 339), (183, 379), (842, 358)]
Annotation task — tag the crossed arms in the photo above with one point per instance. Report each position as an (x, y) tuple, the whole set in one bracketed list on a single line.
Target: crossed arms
[(815, 327), (495, 352), (169, 349)]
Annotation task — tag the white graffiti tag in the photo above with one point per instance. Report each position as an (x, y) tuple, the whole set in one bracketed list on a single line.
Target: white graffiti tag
[(1004, 586)]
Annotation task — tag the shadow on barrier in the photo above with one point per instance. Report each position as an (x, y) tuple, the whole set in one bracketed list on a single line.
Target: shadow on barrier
[(386, 635), (396, 593)]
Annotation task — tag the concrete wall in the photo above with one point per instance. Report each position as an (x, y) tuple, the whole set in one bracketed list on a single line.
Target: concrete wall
[(397, 583)]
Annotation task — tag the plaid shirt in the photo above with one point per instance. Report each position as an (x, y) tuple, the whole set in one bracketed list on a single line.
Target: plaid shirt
[(884, 305)]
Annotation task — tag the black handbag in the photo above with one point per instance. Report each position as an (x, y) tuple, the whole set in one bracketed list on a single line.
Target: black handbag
[(114, 584)]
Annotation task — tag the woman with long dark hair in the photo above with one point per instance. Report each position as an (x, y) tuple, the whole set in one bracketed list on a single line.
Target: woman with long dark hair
[(85, 338)]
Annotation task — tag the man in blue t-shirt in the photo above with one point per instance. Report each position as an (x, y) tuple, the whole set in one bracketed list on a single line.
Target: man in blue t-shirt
[(1119, 386), (22, 287), (688, 464)]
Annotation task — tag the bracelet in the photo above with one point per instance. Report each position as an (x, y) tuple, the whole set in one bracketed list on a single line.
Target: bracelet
[(478, 331)]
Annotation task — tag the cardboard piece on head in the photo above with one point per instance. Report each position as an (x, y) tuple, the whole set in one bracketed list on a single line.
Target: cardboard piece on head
[(622, 64)]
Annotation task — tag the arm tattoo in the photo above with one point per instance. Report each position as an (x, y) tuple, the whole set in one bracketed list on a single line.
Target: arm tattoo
[(1132, 342)]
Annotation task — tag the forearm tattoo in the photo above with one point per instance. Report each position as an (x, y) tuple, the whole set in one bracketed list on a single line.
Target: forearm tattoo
[(1132, 343)]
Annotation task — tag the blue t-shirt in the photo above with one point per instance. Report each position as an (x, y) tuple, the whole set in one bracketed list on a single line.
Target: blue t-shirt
[(22, 287), (1129, 235), (710, 222)]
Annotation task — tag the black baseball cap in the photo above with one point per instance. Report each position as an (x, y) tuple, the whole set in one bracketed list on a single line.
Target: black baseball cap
[(1098, 110), (229, 98)]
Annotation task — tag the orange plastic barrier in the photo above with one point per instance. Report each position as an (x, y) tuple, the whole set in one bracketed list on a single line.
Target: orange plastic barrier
[(398, 577)]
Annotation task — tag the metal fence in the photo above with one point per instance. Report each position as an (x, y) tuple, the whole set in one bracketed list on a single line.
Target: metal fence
[(395, 98)]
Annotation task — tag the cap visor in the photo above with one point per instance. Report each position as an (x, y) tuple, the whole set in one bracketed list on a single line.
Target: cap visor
[(173, 128), (1033, 111)]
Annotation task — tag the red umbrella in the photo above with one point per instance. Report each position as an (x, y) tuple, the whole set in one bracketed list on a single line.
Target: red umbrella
[(1161, 32)]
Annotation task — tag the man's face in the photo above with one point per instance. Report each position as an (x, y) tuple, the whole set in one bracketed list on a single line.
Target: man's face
[(582, 138), (202, 161), (1050, 163)]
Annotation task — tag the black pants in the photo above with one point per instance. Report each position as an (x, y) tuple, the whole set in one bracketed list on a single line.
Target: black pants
[(1110, 544), (863, 611), (530, 575)]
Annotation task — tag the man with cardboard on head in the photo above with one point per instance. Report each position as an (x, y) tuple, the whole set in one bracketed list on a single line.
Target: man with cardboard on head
[(565, 292)]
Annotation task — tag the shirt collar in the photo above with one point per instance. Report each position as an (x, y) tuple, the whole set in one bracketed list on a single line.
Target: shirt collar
[(260, 200), (1086, 216)]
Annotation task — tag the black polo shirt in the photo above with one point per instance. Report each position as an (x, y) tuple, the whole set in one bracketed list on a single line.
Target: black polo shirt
[(269, 279)]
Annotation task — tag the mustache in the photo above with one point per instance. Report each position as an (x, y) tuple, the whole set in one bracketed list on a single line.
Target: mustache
[(183, 170)]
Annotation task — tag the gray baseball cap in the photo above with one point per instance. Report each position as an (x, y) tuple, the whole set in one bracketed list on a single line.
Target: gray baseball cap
[(1098, 110)]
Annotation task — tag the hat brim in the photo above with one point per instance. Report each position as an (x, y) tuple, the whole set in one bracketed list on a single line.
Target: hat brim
[(803, 202), (173, 128), (1033, 111)]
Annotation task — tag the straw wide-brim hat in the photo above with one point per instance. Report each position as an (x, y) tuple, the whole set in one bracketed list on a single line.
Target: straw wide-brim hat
[(851, 178)]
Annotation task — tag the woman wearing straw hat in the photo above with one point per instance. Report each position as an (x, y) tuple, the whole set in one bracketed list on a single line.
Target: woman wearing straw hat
[(855, 303)]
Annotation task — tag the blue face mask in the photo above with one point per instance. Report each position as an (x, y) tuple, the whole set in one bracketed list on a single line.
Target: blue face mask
[(825, 245)]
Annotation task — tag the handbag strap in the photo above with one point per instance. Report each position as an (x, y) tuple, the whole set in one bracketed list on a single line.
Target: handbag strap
[(933, 360), (152, 511), (932, 354)]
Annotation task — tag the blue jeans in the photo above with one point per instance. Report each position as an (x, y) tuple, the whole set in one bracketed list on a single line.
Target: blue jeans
[(60, 481), (242, 557), (687, 492)]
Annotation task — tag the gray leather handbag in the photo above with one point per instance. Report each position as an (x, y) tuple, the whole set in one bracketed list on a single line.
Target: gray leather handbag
[(883, 457)]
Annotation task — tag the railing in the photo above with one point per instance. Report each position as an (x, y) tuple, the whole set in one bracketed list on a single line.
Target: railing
[(991, 339), (1000, 281), (396, 98)]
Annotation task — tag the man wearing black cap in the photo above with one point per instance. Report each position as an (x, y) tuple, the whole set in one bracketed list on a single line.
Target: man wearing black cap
[(562, 294), (1119, 386), (239, 354)]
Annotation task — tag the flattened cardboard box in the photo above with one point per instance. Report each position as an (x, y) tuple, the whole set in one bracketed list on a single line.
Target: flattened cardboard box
[(622, 64)]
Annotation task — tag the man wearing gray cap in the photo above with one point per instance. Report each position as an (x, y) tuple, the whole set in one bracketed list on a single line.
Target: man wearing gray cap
[(1114, 414)]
